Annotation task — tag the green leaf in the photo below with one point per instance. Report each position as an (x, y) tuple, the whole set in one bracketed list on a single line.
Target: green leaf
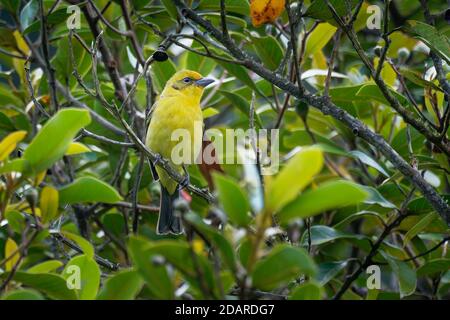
[(406, 276), (155, 275), (233, 200), (16, 220), (319, 9), (124, 285), (421, 205), (179, 255), (171, 8), (364, 158), (88, 189), (53, 140), (161, 73), (52, 285), (329, 270), (235, 6), (16, 165), (28, 13), (437, 41), (320, 36), (375, 197), (45, 267), (85, 245), (89, 273), (269, 51), (330, 195), (419, 227), (242, 104), (416, 78), (283, 264), (372, 92), (23, 294), (201, 64), (307, 291), (49, 204), (322, 234), (433, 267), (294, 177), (216, 238), (239, 72)]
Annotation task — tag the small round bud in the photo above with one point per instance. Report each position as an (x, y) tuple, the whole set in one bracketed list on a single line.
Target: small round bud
[(160, 55), (181, 205), (302, 109), (377, 50), (403, 54), (158, 260), (31, 195)]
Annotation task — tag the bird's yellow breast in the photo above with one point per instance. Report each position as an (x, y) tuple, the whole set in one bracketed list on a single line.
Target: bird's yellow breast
[(171, 114)]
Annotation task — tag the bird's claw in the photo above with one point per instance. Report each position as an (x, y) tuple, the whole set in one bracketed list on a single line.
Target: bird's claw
[(185, 182), (157, 160)]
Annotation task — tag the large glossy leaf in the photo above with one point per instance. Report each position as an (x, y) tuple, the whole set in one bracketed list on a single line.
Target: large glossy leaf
[(9, 143), (45, 267), (307, 291), (85, 245), (406, 276), (161, 73), (88, 189), (12, 253), (433, 267), (319, 9), (49, 202), (28, 13), (330, 195), (155, 275), (23, 294), (419, 227), (52, 141), (328, 270), (89, 273), (321, 35), (124, 285), (233, 200), (321, 234), (269, 51), (437, 41), (216, 238), (283, 264), (294, 177), (52, 285)]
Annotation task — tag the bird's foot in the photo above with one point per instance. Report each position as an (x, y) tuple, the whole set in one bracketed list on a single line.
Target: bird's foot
[(157, 160), (185, 182)]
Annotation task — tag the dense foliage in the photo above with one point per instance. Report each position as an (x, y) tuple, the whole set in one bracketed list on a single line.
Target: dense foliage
[(363, 116)]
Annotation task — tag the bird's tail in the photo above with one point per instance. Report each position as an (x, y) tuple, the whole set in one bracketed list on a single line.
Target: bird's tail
[(168, 222)]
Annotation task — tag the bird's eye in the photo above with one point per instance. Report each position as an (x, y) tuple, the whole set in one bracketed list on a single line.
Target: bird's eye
[(187, 80)]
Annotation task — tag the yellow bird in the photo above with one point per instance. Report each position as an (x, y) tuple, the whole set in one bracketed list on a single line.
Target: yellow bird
[(178, 107)]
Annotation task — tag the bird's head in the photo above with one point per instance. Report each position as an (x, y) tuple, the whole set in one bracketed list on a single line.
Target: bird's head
[(186, 82)]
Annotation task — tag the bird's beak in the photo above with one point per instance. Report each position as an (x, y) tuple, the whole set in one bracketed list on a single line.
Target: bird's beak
[(203, 82)]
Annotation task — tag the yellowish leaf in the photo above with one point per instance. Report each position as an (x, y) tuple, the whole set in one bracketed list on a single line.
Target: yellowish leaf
[(321, 35), (76, 148), (10, 142), (387, 73), (40, 177), (49, 204), (11, 250), (294, 177), (264, 11)]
